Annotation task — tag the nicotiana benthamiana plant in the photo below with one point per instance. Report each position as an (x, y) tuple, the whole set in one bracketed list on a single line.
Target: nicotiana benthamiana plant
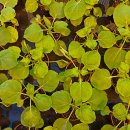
[(81, 87)]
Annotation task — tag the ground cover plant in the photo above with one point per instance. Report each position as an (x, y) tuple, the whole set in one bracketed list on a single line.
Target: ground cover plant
[(92, 59)]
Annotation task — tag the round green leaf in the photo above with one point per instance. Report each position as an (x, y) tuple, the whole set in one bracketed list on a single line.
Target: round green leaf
[(120, 112), (61, 101), (91, 60), (43, 102), (7, 14), (106, 39), (47, 44), (49, 84), (33, 33), (61, 27), (40, 70), (108, 127), (9, 3), (5, 36), (85, 114), (113, 57), (80, 126), (90, 43), (57, 9), (75, 49), (81, 91), (62, 124), (10, 91), (8, 58), (98, 102), (13, 34), (50, 128), (123, 87), (20, 71), (31, 117), (121, 15), (45, 2), (101, 79), (74, 9), (31, 6)]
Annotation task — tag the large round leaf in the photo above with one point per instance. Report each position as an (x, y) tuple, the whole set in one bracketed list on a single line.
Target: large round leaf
[(75, 49), (7, 14), (45, 2), (31, 117), (50, 81), (33, 33), (106, 39), (62, 124), (74, 9), (20, 71), (61, 101), (57, 10), (120, 112), (40, 70), (81, 91), (10, 91), (91, 60), (31, 6), (46, 43), (5, 36), (43, 102), (101, 79), (121, 15), (126, 127), (9, 3), (8, 58), (123, 87), (85, 114), (113, 57), (99, 99), (108, 127), (80, 126)]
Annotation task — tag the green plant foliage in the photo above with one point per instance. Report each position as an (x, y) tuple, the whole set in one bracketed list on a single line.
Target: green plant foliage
[(62, 123), (56, 10), (31, 117), (10, 92), (48, 83), (123, 87), (91, 60), (108, 127), (66, 58), (46, 2), (42, 102), (98, 102), (101, 79), (80, 126), (31, 6), (74, 9), (46, 43), (78, 52), (7, 14), (81, 91), (61, 101), (9, 3), (20, 71), (121, 15), (8, 58), (113, 57), (85, 114), (106, 39), (33, 33), (120, 112)]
